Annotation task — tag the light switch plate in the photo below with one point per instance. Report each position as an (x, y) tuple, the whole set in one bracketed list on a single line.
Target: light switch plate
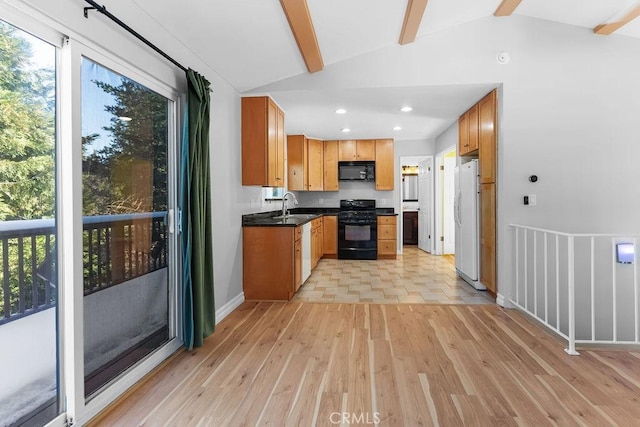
[(532, 199)]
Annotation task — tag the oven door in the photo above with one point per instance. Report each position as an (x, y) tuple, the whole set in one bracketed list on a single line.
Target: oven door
[(357, 240)]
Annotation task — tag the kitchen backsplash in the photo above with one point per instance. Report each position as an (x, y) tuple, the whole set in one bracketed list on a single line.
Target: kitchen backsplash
[(348, 190)]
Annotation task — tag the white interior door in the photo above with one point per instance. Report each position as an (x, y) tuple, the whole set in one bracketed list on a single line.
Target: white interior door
[(448, 223), (425, 205)]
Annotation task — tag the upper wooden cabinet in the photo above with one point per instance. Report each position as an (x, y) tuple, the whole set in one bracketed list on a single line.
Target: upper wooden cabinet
[(315, 165), (360, 150), (331, 166), (305, 163), (474, 129), (262, 142), (297, 159), (468, 129), (385, 175), (488, 141)]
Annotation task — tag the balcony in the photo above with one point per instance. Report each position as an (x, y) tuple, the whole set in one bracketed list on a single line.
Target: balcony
[(125, 304)]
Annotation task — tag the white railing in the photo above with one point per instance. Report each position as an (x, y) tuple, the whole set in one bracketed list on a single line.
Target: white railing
[(575, 285)]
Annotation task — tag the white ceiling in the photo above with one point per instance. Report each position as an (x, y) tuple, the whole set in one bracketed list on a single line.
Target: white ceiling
[(249, 43)]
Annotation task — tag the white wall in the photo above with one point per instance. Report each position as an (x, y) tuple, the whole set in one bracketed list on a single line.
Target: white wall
[(569, 102)]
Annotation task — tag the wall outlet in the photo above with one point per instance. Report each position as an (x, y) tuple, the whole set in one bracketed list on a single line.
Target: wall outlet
[(383, 201)]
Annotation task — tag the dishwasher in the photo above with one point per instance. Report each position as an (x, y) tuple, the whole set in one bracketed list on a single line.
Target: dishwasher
[(306, 251)]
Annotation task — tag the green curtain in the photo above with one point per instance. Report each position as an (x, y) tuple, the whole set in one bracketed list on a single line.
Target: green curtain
[(197, 234)]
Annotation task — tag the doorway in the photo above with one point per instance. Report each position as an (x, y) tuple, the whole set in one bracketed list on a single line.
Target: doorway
[(446, 162), (416, 202)]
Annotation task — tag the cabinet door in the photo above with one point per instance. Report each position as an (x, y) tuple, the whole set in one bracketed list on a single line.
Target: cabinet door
[(298, 264), (272, 144), (315, 164), (488, 138), (488, 236), (463, 135), (366, 149), (330, 235), (472, 115), (296, 161), (254, 140), (331, 166), (347, 151), (384, 164), (280, 140)]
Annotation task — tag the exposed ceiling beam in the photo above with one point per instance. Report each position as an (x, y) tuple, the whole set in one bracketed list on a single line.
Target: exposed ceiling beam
[(606, 29), (412, 18), (507, 7), (297, 12)]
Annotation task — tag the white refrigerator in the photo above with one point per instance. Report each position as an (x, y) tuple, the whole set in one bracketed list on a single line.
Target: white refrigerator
[(466, 217)]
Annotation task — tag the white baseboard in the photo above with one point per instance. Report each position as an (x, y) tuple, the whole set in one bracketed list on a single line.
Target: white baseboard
[(226, 309), (503, 301)]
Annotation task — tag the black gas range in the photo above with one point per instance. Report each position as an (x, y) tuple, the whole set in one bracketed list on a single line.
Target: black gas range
[(357, 229)]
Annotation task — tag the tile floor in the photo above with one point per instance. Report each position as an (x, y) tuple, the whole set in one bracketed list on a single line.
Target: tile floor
[(414, 277)]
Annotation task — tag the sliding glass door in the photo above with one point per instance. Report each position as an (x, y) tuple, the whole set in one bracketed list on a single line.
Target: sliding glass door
[(126, 203), (29, 365)]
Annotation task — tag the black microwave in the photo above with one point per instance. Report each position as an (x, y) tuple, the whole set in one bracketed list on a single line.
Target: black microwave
[(357, 171)]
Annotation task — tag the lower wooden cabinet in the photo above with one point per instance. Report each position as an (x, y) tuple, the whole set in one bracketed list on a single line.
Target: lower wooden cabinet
[(387, 237), (330, 236), (317, 241), (298, 261), (270, 263), (488, 236)]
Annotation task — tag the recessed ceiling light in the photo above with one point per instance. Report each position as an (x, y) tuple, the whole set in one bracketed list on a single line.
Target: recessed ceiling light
[(397, 128), (406, 109), (341, 111), (345, 130)]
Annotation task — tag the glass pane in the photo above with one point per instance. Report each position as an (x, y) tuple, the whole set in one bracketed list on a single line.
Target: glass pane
[(124, 165), (28, 360)]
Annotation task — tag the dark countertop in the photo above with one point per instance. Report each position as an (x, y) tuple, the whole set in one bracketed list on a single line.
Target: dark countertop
[(298, 216)]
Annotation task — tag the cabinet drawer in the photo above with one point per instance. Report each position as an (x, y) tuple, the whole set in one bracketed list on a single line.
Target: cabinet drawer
[(386, 247), (386, 232), (387, 220)]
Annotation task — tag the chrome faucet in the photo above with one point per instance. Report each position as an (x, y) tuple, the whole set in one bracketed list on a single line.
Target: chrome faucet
[(284, 202)]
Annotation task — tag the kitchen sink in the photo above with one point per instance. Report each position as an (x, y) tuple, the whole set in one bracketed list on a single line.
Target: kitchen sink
[(294, 216)]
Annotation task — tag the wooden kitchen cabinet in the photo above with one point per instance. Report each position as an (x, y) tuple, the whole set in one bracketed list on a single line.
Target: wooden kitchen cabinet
[(270, 264), (385, 173), (463, 135), (488, 141), (297, 159), (387, 236), (315, 165), (488, 236), (305, 163), (316, 241), (360, 150), (331, 153), (298, 263), (468, 132), (330, 236), (410, 228), (262, 142)]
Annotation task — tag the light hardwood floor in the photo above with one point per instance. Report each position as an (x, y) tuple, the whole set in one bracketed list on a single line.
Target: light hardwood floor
[(302, 364)]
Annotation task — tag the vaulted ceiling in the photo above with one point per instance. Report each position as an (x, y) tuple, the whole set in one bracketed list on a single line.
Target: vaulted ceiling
[(252, 43)]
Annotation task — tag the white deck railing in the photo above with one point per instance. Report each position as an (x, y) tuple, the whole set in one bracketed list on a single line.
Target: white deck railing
[(574, 284)]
